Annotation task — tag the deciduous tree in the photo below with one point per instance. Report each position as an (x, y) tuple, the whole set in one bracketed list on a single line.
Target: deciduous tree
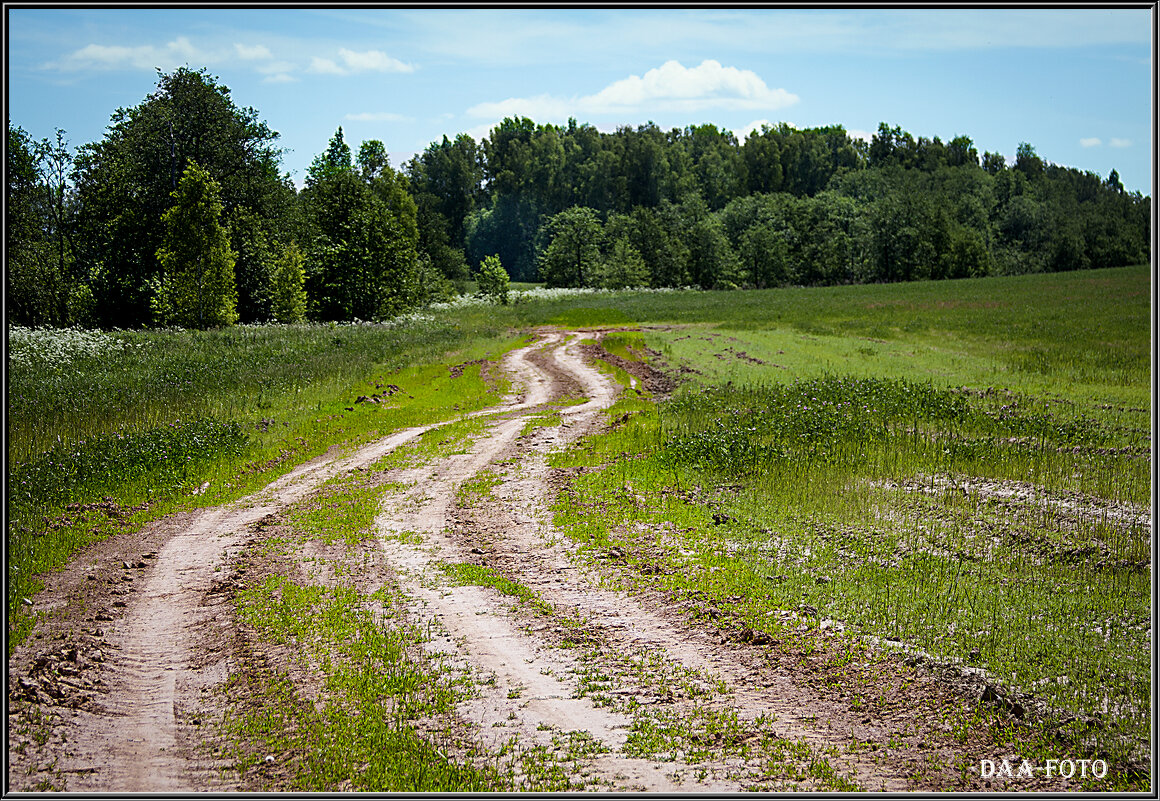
[(196, 285), (573, 251)]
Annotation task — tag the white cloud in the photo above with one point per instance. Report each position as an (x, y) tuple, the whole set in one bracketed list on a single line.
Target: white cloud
[(354, 62), (670, 87), (1091, 141), (280, 77), (324, 66), (1120, 142), (377, 116), (253, 53), (865, 136), (112, 57), (372, 61)]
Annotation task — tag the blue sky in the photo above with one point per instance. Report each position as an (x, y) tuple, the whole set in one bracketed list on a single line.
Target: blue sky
[(1076, 84)]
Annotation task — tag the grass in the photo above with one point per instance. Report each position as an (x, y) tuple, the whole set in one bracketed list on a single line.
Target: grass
[(916, 460), (958, 515), (202, 418), (477, 489), (364, 727), (463, 573), (361, 730)]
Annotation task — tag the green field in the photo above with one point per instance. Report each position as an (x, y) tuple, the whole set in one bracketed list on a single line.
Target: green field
[(962, 468)]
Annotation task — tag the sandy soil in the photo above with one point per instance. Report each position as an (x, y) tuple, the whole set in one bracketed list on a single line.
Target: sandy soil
[(118, 687)]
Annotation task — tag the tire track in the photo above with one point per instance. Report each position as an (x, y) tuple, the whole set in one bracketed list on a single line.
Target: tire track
[(139, 737)]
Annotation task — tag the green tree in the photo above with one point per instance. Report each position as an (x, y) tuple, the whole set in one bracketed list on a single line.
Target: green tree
[(994, 163), (123, 183), (31, 293), (573, 251), (764, 255), (508, 227), (288, 286), (334, 161), (622, 267), (447, 179), (196, 288), (712, 262), (1027, 162), (373, 159), (762, 156), (493, 280), (362, 263), (253, 266)]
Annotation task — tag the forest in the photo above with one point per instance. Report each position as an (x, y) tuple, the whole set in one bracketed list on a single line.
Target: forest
[(182, 216)]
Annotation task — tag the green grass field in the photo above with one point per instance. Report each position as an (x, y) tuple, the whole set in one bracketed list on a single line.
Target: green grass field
[(961, 467)]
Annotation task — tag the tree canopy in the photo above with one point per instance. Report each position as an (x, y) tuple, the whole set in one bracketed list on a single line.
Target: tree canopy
[(566, 204)]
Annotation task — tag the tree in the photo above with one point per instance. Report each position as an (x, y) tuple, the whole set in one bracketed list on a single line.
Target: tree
[(493, 280), (288, 286), (509, 228), (361, 263), (1027, 162), (31, 299), (333, 162), (764, 256), (712, 262), (447, 179), (372, 159), (196, 287), (1114, 182), (253, 266), (573, 250), (123, 183), (960, 151), (623, 267), (762, 157)]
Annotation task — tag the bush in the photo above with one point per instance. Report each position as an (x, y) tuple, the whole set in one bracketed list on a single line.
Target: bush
[(493, 280)]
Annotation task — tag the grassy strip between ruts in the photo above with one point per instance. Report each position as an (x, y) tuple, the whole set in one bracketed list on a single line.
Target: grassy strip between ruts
[(885, 505), (359, 733)]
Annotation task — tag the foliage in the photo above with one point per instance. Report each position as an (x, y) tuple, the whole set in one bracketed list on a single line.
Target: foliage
[(361, 263), (253, 265), (573, 251), (41, 284), (622, 267), (123, 183), (698, 206), (508, 228), (196, 287), (288, 286), (493, 280)]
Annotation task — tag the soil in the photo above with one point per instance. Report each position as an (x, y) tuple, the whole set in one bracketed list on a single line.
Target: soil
[(138, 651)]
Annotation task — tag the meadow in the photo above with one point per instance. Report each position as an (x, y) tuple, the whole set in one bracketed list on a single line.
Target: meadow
[(961, 468)]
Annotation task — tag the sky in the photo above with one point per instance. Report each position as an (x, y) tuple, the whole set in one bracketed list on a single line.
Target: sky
[(1076, 84)]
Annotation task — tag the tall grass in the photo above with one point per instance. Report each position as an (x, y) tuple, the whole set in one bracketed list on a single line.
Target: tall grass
[(879, 510), (950, 467), (139, 422)]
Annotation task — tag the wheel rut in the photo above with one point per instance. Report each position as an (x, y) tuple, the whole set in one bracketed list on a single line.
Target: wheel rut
[(137, 726)]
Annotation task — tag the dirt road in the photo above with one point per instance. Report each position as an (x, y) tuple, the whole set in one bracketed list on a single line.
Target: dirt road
[(119, 687)]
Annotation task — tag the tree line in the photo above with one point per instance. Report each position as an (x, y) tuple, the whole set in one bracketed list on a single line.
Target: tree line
[(181, 215)]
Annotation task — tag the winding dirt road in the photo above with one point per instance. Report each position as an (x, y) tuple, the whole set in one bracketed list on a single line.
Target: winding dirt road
[(118, 687)]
